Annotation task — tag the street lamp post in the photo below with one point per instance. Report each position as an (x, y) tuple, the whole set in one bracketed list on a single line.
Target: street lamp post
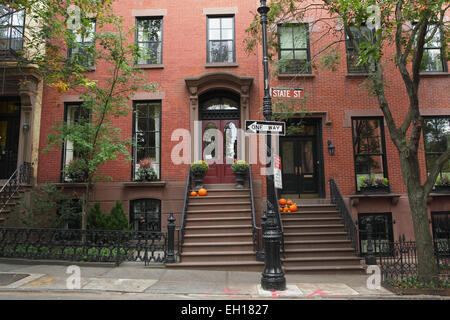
[(273, 275)]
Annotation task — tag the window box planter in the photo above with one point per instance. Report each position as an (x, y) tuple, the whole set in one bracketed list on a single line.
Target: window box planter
[(442, 189), (373, 190)]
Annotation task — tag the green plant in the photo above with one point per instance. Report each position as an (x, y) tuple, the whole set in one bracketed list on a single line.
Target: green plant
[(199, 167), (76, 171), (117, 219), (240, 166), (443, 181), (145, 171), (97, 219), (372, 182)]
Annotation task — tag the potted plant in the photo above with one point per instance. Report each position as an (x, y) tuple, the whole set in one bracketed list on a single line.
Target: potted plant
[(370, 184), (442, 184), (240, 169), (198, 170), (145, 171)]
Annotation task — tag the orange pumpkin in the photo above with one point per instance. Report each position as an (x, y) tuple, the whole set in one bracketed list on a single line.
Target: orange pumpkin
[(202, 192), (285, 209), (193, 194), (293, 207), (282, 201), (289, 202)]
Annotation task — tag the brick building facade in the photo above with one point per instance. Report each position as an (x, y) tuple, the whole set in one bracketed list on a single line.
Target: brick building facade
[(200, 63)]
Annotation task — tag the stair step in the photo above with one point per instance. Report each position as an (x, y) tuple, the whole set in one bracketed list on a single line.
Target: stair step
[(313, 228), (209, 247), (310, 214), (341, 269), (218, 256), (322, 261), (224, 237), (220, 265), (225, 221), (315, 235), (318, 252), (221, 228), (310, 244)]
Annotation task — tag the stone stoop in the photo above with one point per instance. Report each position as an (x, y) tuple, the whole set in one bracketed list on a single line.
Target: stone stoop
[(218, 232), (315, 241)]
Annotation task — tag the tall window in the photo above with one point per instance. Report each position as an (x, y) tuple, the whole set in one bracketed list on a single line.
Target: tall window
[(221, 47), (380, 232), (369, 149), (75, 114), (441, 231), (11, 28), (436, 134), (361, 35), (147, 134), (83, 51), (145, 215), (149, 40), (294, 48), (434, 54)]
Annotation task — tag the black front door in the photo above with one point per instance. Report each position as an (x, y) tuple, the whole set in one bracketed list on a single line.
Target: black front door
[(299, 165), (9, 136)]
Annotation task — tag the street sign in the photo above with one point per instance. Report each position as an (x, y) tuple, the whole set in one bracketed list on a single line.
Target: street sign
[(265, 127), (286, 93), (277, 172)]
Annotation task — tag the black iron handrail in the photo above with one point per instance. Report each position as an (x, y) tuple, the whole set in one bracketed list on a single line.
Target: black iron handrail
[(21, 176), (256, 231), (344, 212), (183, 215), (280, 221)]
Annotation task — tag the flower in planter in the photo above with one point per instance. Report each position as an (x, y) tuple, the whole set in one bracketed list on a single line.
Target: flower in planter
[(372, 182), (145, 171), (443, 181), (199, 167), (240, 166)]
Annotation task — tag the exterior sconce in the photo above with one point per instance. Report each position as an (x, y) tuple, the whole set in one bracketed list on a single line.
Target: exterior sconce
[(26, 127), (331, 148)]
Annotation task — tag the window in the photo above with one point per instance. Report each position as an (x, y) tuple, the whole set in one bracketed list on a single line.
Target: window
[(441, 231), (147, 134), (381, 232), (11, 28), (436, 136), (145, 215), (361, 35), (434, 55), (369, 149), (149, 40), (74, 114), (294, 48), (83, 51), (221, 40)]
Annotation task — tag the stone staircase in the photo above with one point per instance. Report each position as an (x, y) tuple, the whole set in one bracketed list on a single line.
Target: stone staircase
[(316, 241), (218, 232), (15, 200)]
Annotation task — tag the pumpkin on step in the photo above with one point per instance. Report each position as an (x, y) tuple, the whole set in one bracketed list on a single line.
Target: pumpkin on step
[(202, 192), (289, 202), (193, 194), (293, 207), (282, 201)]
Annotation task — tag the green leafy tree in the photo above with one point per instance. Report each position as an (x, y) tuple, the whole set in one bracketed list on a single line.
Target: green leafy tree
[(52, 46), (117, 219), (404, 26)]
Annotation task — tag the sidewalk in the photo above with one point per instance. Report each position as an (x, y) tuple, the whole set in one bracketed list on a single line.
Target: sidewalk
[(135, 278)]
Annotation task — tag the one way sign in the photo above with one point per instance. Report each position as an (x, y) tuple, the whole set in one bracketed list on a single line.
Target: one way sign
[(265, 127)]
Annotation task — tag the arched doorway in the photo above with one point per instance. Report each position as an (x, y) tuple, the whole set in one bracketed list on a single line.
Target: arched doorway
[(219, 111)]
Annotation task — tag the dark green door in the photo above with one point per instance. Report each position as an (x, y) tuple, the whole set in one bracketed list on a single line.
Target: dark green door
[(9, 136)]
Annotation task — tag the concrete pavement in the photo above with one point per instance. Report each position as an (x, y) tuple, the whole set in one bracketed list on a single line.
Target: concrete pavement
[(137, 280)]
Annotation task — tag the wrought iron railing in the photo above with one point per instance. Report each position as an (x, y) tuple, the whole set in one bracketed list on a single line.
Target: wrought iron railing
[(256, 231), (21, 176), (84, 245), (181, 231), (344, 212), (280, 222), (398, 259)]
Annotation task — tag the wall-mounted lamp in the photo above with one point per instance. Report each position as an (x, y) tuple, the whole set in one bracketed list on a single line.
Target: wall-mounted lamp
[(331, 148), (26, 127)]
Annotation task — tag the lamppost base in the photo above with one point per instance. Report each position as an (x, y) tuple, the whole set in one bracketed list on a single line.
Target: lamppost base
[(273, 282)]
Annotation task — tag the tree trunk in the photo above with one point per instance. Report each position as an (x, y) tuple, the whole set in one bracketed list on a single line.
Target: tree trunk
[(427, 266)]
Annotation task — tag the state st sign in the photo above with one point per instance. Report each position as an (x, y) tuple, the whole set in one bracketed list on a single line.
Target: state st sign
[(286, 93)]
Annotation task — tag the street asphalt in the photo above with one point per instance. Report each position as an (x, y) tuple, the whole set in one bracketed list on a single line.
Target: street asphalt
[(29, 279)]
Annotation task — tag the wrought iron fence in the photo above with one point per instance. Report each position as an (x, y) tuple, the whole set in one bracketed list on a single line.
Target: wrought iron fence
[(398, 259), (84, 245)]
